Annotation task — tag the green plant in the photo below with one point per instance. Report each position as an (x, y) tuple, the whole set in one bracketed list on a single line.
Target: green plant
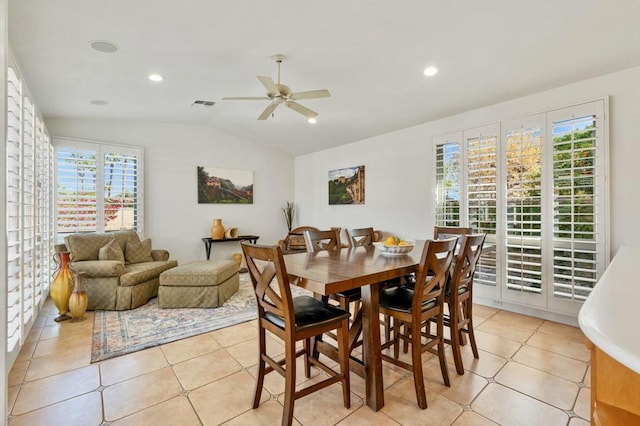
[(289, 211)]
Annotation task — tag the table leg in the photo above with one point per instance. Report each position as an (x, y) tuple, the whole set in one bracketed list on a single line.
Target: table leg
[(207, 247), (371, 347)]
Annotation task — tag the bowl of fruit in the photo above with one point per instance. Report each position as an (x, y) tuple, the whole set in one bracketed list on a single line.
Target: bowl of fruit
[(393, 246)]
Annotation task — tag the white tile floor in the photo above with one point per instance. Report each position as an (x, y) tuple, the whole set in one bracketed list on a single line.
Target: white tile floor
[(530, 372)]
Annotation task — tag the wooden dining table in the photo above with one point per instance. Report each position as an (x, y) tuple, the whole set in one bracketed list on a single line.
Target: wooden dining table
[(328, 272)]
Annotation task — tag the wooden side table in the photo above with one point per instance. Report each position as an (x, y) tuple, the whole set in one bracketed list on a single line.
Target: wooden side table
[(208, 241)]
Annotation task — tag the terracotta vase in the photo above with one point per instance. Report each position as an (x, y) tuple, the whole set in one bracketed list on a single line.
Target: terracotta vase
[(79, 300), (62, 286), (217, 230)]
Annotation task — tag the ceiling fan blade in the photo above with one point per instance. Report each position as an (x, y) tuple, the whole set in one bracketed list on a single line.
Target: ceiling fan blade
[(249, 98), (302, 110), (267, 111), (269, 84), (311, 94)]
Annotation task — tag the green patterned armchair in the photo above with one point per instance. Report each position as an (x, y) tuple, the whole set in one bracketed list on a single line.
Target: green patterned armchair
[(122, 271)]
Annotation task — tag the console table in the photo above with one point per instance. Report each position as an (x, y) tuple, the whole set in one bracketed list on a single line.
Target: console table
[(208, 241)]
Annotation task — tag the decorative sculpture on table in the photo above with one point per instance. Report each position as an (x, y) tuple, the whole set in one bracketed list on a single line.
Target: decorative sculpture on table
[(79, 300), (62, 286)]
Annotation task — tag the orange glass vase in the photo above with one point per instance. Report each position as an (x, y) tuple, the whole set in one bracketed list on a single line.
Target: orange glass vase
[(78, 300), (62, 286)]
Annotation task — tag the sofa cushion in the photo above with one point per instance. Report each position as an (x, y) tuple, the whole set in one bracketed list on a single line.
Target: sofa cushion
[(85, 246), (123, 237), (141, 272), (138, 252), (111, 251)]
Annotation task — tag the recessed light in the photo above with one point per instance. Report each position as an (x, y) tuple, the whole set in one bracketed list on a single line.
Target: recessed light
[(312, 121), (103, 46), (98, 102), (430, 71), (155, 77)]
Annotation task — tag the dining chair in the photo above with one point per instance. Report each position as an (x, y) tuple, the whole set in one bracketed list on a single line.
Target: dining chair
[(412, 307), (441, 232), (459, 297), (329, 240), (363, 237), (360, 237), (292, 320)]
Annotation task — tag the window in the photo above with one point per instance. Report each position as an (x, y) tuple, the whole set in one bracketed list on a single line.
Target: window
[(99, 187), (448, 181), (29, 212), (536, 187)]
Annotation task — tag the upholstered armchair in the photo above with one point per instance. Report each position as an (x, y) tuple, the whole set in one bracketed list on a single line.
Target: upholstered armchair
[(122, 271)]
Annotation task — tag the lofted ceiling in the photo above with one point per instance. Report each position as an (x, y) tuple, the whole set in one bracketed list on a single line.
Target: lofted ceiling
[(369, 54)]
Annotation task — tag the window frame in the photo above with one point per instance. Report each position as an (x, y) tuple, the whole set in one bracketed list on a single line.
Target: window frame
[(100, 148)]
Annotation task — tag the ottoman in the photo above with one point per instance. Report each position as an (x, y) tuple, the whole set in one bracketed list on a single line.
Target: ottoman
[(201, 284)]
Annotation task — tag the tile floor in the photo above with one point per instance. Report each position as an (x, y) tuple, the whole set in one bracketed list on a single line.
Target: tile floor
[(530, 372)]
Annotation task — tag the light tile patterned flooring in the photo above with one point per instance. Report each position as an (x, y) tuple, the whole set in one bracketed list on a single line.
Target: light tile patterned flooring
[(530, 372)]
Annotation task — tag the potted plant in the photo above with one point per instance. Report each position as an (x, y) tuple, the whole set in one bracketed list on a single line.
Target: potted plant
[(289, 212)]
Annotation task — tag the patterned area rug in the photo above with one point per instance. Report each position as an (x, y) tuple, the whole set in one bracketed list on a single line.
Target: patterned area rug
[(118, 333)]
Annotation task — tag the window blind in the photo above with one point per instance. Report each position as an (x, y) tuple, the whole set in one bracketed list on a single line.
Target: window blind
[(98, 187), (523, 150), (575, 202), (448, 184), (481, 194)]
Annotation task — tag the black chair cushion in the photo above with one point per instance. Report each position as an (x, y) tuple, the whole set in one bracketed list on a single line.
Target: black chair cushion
[(309, 312), (400, 299)]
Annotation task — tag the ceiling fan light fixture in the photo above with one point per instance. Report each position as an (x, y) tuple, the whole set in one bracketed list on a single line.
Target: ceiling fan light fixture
[(430, 71), (312, 120), (155, 77)]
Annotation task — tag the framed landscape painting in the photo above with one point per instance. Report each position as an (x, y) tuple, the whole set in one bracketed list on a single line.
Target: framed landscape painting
[(224, 186), (346, 186)]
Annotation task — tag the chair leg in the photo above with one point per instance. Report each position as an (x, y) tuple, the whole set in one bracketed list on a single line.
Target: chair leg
[(397, 325), (416, 360), (261, 367), (343, 353), (441, 355), (472, 335), (454, 331), (307, 354), (289, 383)]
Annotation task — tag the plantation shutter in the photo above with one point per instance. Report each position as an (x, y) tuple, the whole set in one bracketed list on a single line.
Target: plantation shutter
[(482, 193), (28, 213), (14, 217), (121, 191), (76, 206), (524, 206), (99, 187), (447, 155), (578, 200)]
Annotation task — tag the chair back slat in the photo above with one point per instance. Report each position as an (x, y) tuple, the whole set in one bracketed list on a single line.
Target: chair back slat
[(270, 281), (466, 261), (361, 237), (322, 240), (442, 232), (433, 270)]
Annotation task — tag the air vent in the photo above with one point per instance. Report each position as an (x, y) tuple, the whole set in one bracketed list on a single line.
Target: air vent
[(203, 103)]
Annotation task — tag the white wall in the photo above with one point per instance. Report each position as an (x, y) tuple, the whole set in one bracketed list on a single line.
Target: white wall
[(173, 218), (399, 172)]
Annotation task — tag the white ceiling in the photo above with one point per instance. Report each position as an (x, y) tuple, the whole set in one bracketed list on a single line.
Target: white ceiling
[(369, 54)]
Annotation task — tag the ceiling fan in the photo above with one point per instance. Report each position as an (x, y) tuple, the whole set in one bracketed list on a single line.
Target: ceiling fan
[(280, 94)]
